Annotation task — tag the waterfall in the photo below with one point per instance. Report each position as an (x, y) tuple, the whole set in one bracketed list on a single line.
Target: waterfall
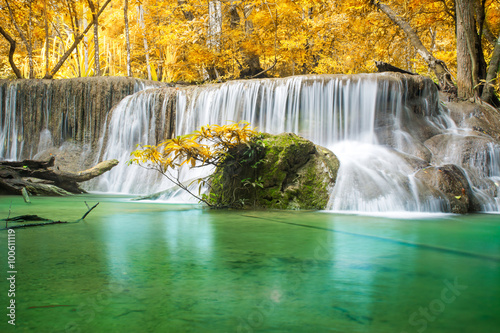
[(140, 118), (375, 124), (11, 126), (384, 128), (309, 105), (37, 115)]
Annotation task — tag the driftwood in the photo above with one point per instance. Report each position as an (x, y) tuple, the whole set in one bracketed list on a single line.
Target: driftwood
[(385, 67), (32, 164), (38, 179), (40, 220)]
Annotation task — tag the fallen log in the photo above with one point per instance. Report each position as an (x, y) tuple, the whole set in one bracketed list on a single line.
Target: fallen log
[(88, 174), (38, 179), (32, 164), (385, 67)]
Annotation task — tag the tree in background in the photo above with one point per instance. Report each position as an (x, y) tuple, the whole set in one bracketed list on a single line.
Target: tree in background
[(127, 36), (453, 41), (469, 19)]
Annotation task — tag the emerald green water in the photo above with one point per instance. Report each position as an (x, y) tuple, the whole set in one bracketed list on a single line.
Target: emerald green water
[(145, 267)]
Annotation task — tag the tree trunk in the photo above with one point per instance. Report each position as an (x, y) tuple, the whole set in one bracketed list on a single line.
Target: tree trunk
[(187, 14), (251, 62), (470, 67), (436, 65), (29, 46), (214, 35), (491, 77), (214, 24), (95, 16), (73, 46), (127, 37), (47, 40), (23, 37), (12, 49), (76, 31), (38, 179), (85, 48), (234, 17), (146, 49)]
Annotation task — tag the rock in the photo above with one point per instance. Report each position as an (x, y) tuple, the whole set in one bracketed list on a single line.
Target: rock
[(403, 142), (473, 152), (480, 118), (451, 181), (282, 171), (414, 162)]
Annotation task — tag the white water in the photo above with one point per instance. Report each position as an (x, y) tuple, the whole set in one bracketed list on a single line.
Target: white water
[(306, 105), (366, 120), (11, 127), (343, 113), (133, 122)]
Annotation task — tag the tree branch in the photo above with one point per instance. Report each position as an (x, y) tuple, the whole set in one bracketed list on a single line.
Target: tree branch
[(21, 34), (12, 49), (75, 44), (438, 66)]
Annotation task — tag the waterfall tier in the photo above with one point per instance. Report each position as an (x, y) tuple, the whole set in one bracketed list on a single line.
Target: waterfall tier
[(39, 114), (383, 127)]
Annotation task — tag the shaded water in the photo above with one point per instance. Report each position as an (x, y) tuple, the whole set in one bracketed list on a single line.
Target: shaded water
[(146, 267)]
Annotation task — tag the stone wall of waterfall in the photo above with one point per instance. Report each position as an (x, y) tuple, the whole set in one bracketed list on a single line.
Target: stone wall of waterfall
[(36, 115)]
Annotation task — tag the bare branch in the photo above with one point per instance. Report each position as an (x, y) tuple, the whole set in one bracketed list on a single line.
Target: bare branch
[(12, 49)]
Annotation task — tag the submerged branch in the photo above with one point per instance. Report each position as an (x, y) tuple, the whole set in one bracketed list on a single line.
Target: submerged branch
[(41, 220)]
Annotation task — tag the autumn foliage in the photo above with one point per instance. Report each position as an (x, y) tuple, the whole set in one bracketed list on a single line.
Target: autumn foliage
[(176, 40), (207, 146)]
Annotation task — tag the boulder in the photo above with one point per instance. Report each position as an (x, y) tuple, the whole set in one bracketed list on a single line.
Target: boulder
[(451, 181), (481, 118), (477, 153), (282, 171)]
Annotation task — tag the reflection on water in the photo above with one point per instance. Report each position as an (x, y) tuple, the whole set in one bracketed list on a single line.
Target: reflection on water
[(140, 267)]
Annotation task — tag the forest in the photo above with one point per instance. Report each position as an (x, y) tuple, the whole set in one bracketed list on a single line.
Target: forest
[(250, 165), (456, 42)]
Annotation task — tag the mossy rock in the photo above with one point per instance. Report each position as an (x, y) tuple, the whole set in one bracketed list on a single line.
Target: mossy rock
[(282, 171)]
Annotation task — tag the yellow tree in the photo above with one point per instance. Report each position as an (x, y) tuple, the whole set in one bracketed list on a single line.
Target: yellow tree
[(207, 146)]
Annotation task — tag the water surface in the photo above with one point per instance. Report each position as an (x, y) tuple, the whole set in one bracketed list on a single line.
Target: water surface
[(149, 267)]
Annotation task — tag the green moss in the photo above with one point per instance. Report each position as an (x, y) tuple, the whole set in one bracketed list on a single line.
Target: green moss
[(282, 171)]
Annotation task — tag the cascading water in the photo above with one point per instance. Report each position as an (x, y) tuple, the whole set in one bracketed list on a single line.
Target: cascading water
[(134, 120), (310, 106), (375, 124), (11, 126), (382, 127)]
